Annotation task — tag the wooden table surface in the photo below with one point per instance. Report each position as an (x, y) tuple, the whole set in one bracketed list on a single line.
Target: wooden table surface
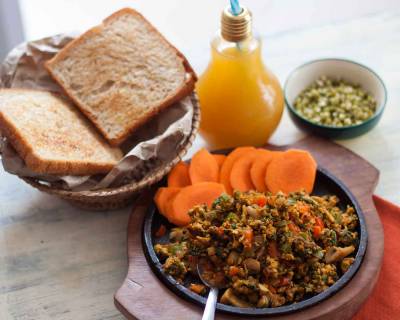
[(58, 262)]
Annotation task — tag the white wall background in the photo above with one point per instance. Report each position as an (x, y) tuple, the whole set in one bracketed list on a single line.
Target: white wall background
[(293, 31), (11, 32), (190, 24)]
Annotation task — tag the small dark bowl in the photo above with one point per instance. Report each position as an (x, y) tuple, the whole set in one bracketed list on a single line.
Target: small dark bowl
[(351, 71), (325, 184)]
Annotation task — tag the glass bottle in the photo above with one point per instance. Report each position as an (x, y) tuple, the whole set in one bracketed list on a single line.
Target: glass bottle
[(241, 100)]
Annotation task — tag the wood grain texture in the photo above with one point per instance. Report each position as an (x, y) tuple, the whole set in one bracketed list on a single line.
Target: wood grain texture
[(143, 296)]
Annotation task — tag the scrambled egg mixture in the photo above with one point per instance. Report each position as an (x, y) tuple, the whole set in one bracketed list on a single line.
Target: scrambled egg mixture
[(265, 250)]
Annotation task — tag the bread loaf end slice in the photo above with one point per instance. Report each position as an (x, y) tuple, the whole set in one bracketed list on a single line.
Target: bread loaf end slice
[(52, 136), (122, 73)]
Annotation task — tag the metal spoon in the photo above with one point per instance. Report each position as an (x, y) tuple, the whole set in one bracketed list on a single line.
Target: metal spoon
[(209, 310)]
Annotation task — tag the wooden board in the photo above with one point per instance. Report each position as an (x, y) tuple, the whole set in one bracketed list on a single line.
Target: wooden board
[(143, 296)]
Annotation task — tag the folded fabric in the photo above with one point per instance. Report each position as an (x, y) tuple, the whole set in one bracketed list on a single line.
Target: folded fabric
[(384, 302)]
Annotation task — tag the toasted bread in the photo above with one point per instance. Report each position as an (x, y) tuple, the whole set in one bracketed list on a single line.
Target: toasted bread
[(121, 73), (52, 136)]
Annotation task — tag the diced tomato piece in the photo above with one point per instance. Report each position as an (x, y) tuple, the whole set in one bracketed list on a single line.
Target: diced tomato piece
[(248, 238), (220, 231), (293, 227), (233, 271), (284, 281), (317, 231), (319, 222), (261, 201)]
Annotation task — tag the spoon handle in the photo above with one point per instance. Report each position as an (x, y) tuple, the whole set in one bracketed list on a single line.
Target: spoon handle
[(210, 305)]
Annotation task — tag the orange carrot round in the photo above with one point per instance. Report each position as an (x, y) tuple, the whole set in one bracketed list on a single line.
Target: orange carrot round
[(259, 167), (169, 211), (203, 167), (179, 175), (225, 174), (163, 196), (240, 173), (220, 158), (291, 171), (188, 197)]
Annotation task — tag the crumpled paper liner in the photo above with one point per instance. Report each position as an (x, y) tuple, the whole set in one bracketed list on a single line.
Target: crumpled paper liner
[(152, 146)]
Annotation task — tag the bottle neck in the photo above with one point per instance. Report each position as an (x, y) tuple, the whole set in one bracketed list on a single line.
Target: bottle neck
[(236, 39), (230, 49)]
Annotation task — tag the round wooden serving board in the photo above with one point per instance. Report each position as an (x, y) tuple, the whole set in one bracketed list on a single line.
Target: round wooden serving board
[(144, 296)]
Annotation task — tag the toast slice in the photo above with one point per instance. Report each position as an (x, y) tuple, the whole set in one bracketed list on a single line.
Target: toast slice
[(121, 73), (52, 136)]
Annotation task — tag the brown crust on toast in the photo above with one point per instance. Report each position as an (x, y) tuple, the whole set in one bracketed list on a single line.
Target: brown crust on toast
[(43, 166), (180, 93)]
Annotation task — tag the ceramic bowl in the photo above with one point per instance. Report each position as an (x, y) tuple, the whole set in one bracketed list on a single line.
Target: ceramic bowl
[(354, 72)]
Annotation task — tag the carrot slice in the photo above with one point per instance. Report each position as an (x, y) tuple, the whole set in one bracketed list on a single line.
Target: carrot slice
[(203, 167), (179, 175), (163, 196), (220, 159), (168, 209), (225, 174), (248, 238), (259, 167), (291, 171), (240, 173), (188, 197)]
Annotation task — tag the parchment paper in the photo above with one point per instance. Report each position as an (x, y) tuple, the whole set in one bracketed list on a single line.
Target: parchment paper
[(152, 146)]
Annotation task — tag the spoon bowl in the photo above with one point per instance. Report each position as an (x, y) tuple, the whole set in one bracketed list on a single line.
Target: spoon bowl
[(214, 286)]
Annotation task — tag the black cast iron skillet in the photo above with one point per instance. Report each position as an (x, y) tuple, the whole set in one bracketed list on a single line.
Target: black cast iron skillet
[(325, 183)]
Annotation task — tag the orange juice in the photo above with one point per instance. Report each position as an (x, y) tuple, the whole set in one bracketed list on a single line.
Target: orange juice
[(241, 100)]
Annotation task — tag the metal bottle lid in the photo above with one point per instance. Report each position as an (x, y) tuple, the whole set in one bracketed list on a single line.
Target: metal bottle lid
[(236, 28)]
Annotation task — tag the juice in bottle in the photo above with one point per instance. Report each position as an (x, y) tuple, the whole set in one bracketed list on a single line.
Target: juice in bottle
[(241, 100)]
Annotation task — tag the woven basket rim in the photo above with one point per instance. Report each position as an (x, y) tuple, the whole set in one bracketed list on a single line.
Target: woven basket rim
[(148, 180)]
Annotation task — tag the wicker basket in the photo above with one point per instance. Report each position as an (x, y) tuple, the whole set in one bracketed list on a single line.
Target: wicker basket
[(115, 198)]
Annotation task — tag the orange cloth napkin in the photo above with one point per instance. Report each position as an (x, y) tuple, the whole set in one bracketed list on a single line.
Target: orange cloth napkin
[(384, 302)]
